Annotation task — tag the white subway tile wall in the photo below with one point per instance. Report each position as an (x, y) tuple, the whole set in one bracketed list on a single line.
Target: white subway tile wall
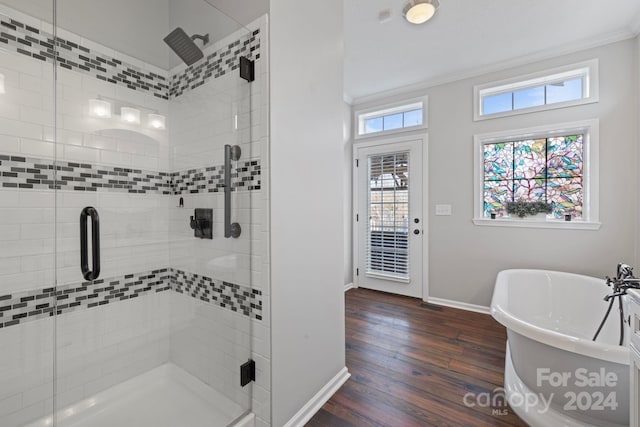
[(134, 176)]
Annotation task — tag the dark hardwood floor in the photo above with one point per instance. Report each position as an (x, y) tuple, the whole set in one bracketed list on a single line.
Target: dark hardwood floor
[(412, 363)]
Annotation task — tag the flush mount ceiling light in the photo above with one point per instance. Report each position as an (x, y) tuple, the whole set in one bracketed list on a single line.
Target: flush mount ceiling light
[(420, 11)]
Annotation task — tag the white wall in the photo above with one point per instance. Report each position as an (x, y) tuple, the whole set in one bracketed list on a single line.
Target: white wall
[(463, 258), (307, 230)]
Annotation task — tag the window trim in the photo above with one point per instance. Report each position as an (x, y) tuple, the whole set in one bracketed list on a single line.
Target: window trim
[(586, 69), (388, 108), (590, 174)]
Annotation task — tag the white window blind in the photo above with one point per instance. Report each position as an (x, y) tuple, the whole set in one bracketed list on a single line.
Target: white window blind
[(388, 208)]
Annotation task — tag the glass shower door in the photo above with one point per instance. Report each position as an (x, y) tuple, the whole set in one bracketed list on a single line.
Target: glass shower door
[(114, 286), (156, 170), (27, 220), (213, 176)]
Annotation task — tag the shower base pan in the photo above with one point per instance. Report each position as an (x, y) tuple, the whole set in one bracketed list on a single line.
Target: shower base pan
[(166, 396)]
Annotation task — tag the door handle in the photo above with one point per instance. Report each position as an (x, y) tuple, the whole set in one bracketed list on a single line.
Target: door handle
[(90, 212), (416, 231)]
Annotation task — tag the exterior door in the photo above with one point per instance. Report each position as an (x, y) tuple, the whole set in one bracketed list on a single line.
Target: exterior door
[(389, 229)]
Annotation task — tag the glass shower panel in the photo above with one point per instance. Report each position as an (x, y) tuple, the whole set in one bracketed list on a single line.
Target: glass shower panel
[(154, 302), (112, 335), (213, 173), (27, 228)]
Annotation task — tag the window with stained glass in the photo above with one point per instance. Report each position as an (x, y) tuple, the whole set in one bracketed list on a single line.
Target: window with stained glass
[(546, 169)]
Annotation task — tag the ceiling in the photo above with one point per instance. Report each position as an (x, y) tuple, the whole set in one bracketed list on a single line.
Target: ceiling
[(464, 37), (468, 35)]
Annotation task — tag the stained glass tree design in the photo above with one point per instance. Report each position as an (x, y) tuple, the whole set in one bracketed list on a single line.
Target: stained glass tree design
[(548, 170)]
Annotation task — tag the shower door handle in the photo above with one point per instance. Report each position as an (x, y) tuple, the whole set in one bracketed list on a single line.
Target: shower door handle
[(231, 229), (90, 212)]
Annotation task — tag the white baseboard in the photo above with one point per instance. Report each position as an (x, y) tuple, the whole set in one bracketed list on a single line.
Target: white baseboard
[(321, 397), (461, 305), (348, 286)]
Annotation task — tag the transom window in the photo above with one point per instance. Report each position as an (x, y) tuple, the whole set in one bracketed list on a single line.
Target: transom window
[(561, 87), (393, 121), (534, 96), (391, 118)]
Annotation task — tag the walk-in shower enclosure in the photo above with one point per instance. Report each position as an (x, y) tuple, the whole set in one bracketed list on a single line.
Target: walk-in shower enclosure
[(112, 158)]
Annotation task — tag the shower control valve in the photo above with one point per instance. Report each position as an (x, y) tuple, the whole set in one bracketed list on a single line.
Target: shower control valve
[(201, 223)]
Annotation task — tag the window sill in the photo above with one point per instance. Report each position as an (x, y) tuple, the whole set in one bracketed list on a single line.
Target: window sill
[(538, 223)]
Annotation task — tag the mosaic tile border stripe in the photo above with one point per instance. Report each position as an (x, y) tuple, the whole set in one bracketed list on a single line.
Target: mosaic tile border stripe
[(216, 64), (43, 46), (234, 297), (211, 179), (21, 307), (36, 174)]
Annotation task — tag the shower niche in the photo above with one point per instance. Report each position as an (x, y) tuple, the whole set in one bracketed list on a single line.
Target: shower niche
[(131, 126)]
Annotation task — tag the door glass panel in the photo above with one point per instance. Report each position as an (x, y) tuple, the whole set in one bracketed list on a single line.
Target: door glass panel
[(27, 228), (161, 333), (388, 215)]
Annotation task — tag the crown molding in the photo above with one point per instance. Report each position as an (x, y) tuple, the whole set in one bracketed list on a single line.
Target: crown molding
[(503, 65)]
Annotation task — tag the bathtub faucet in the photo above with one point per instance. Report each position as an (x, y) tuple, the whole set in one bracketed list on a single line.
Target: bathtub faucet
[(624, 280), (624, 271)]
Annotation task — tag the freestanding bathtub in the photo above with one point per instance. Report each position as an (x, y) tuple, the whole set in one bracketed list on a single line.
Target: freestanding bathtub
[(555, 375)]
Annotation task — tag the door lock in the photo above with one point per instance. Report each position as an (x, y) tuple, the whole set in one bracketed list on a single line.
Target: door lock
[(416, 231)]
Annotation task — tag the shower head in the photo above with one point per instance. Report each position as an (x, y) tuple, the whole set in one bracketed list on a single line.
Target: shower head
[(185, 46)]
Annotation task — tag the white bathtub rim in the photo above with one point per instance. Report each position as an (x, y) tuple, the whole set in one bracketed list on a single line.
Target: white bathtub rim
[(552, 417), (610, 353)]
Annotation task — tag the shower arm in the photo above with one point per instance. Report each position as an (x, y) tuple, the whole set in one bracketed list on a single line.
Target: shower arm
[(231, 153)]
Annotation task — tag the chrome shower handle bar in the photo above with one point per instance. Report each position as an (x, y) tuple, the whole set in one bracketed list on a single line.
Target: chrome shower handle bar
[(95, 243), (231, 153)]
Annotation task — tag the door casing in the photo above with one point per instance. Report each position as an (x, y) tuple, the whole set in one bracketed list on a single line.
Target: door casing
[(379, 142)]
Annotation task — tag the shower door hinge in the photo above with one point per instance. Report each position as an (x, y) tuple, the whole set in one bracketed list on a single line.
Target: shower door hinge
[(247, 372), (247, 69), (357, 271), (357, 217), (357, 163)]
